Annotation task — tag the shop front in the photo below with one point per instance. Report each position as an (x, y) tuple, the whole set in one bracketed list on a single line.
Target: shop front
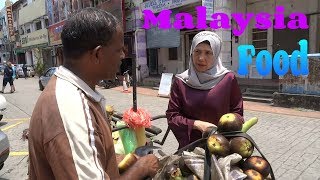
[(33, 44)]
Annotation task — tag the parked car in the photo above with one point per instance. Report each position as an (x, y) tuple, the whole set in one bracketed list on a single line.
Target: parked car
[(4, 142), (4, 148), (19, 71), (30, 71), (3, 106), (44, 79)]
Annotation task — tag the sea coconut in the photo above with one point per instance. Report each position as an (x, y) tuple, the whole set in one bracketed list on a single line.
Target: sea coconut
[(229, 122), (241, 146), (218, 145)]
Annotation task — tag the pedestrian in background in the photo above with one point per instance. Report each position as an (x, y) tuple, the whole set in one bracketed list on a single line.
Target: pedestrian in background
[(8, 77)]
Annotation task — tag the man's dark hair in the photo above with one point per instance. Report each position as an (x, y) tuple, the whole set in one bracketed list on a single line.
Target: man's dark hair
[(87, 29)]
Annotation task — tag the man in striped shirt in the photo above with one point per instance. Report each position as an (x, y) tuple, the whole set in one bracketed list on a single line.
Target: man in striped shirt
[(70, 135)]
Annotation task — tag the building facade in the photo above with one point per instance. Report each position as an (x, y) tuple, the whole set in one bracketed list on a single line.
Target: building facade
[(32, 28), (60, 10), (7, 34)]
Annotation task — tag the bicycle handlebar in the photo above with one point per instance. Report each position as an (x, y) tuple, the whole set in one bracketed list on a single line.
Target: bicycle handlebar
[(152, 129)]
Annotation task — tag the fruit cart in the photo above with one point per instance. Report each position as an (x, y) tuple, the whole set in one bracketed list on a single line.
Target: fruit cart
[(224, 152)]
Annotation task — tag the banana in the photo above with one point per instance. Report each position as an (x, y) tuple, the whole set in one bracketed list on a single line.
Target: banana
[(126, 162), (248, 124)]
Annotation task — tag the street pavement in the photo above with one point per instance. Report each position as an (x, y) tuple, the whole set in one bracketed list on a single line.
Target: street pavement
[(289, 138)]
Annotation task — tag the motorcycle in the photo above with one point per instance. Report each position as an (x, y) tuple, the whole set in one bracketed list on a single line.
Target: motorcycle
[(116, 81), (110, 83)]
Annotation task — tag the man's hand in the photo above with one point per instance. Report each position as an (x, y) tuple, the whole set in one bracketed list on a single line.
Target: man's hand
[(146, 166), (150, 162), (202, 125), (119, 157)]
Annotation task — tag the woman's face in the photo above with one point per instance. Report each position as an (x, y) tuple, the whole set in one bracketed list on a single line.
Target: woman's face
[(202, 57)]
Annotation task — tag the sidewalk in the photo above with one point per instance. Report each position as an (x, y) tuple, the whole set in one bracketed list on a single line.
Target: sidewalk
[(248, 105)]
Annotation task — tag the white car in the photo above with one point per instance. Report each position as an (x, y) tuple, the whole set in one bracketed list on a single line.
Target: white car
[(4, 141), (3, 106)]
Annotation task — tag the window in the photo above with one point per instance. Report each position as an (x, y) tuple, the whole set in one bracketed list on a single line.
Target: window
[(260, 39), (38, 25), (14, 16), (173, 53)]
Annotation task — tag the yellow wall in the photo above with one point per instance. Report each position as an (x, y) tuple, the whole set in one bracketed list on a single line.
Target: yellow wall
[(32, 11)]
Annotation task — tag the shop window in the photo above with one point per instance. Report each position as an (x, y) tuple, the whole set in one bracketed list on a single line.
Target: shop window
[(173, 53), (38, 25), (260, 39)]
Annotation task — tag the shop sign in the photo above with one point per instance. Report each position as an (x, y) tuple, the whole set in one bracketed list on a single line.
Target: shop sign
[(209, 8), (35, 38), (55, 33), (10, 20)]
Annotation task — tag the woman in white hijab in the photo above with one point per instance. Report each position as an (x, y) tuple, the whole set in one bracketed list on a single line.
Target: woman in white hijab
[(203, 93)]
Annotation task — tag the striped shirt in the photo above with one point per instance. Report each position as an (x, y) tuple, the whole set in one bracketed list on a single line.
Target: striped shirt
[(70, 135)]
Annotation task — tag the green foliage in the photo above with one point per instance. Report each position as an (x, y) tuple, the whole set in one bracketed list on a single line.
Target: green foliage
[(39, 68)]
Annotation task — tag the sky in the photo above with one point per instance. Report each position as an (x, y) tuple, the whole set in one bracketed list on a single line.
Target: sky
[(2, 3)]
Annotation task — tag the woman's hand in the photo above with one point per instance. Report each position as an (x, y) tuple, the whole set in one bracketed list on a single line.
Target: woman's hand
[(202, 125)]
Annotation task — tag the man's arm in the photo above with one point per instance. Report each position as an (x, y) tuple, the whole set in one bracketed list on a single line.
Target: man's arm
[(67, 164)]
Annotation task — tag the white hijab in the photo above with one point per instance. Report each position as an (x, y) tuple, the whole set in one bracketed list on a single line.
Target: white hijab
[(210, 78)]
